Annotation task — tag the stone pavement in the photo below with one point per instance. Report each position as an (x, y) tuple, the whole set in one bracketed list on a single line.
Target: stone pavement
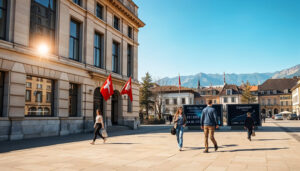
[(275, 147)]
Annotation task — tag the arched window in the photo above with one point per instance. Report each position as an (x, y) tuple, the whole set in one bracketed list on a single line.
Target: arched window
[(32, 111), (46, 111), (40, 111)]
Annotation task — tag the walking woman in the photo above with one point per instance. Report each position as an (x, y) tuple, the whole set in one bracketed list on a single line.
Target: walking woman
[(98, 125), (249, 125), (180, 123)]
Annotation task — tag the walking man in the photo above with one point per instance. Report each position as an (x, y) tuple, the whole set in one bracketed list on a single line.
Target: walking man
[(209, 122)]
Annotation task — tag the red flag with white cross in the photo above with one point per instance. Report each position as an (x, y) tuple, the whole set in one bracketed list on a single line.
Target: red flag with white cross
[(107, 88), (127, 89)]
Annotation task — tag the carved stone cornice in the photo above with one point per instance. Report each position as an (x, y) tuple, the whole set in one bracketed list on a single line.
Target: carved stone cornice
[(119, 5)]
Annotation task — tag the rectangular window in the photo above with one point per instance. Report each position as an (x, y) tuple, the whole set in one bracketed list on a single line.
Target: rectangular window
[(228, 92), (99, 11), (183, 101), (129, 106), (175, 101), (38, 96), (39, 86), (287, 103), (28, 95), (39, 102), (282, 103), (78, 2), (225, 100), (73, 100), (232, 99), (269, 101), (215, 101), (74, 42), (42, 22), (115, 57), (129, 61), (275, 102), (3, 15), (1, 92), (98, 57), (130, 32), (116, 23), (28, 84), (167, 101)]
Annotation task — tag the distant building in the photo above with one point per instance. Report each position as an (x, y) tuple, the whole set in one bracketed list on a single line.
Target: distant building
[(171, 98), (296, 98), (204, 94), (230, 94), (275, 95)]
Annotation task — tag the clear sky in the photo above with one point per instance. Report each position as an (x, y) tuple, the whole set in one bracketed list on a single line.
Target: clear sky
[(216, 36)]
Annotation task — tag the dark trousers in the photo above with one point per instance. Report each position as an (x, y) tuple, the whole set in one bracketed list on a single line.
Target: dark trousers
[(250, 132), (97, 131)]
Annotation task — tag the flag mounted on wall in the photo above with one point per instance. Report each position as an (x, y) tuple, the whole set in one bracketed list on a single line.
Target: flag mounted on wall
[(107, 88), (127, 89)]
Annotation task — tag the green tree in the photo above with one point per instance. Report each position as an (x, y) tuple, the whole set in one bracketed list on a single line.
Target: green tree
[(247, 97), (145, 93)]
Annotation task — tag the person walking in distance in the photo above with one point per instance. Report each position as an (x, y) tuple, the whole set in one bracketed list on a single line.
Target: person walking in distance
[(98, 125), (249, 125), (180, 123), (209, 122)]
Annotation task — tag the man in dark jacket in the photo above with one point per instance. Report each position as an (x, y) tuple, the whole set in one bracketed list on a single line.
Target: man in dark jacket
[(209, 122), (249, 125)]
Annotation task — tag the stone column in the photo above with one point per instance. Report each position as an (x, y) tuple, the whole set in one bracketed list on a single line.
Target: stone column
[(63, 103), (17, 100)]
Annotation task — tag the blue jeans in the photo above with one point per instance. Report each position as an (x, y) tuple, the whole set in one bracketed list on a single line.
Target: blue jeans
[(179, 135)]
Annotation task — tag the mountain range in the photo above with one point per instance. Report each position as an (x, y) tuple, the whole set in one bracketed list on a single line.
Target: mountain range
[(218, 79)]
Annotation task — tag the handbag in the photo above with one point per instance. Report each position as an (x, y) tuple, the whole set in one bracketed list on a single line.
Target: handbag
[(104, 133), (253, 133), (173, 131)]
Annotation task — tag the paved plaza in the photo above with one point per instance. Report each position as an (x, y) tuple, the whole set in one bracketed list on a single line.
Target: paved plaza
[(276, 147)]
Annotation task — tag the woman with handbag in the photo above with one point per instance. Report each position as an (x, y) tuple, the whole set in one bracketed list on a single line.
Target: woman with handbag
[(249, 125), (97, 126), (179, 124)]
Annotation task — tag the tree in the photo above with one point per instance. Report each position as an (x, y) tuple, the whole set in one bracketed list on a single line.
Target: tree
[(145, 93), (247, 97)]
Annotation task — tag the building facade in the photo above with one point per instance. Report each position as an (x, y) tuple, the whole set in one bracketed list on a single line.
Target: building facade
[(57, 93), (275, 95), (170, 98), (230, 94), (204, 94), (296, 98)]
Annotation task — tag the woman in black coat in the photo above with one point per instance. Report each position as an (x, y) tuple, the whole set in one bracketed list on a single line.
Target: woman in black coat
[(249, 125)]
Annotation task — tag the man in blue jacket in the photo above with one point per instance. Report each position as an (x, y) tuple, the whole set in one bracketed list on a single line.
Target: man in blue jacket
[(209, 122)]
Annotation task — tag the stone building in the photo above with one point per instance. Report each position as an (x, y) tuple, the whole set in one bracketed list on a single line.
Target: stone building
[(57, 93), (171, 98), (275, 95), (296, 98), (204, 94), (230, 94)]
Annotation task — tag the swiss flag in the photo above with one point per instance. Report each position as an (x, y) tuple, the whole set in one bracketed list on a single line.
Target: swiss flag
[(127, 89), (107, 88)]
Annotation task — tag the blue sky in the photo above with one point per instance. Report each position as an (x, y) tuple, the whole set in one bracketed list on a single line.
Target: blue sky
[(216, 36)]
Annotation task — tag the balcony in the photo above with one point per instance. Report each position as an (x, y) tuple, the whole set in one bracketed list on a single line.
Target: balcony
[(130, 6)]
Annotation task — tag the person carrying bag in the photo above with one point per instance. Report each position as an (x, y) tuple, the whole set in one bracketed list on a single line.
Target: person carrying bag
[(179, 124), (99, 125)]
